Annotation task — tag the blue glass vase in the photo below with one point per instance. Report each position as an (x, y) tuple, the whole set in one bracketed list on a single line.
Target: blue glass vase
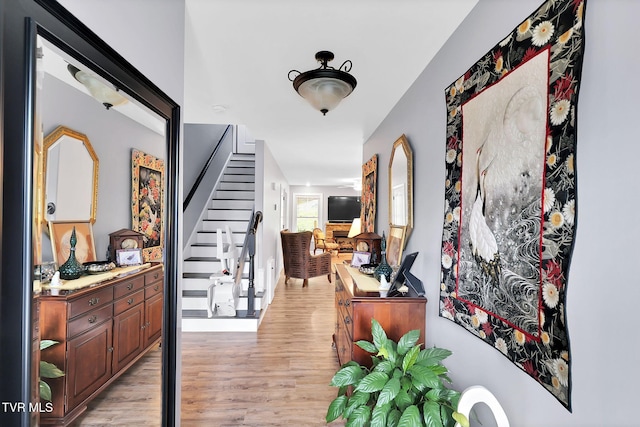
[(71, 269), (383, 267)]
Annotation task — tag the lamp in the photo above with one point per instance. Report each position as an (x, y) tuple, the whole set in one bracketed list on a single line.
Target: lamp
[(100, 91), (326, 86), (356, 228)]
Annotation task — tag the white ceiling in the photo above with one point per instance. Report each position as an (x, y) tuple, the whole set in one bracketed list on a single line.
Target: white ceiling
[(238, 54)]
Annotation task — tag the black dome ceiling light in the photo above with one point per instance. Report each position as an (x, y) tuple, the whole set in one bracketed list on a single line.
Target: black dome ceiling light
[(326, 86)]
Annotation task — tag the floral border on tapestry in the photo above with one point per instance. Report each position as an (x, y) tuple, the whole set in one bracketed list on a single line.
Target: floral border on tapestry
[(510, 190)]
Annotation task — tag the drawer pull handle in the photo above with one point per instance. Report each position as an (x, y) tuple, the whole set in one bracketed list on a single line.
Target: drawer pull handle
[(130, 301), (143, 326), (130, 286), (340, 302), (156, 287), (347, 320), (94, 301), (110, 349), (155, 276), (347, 303), (93, 319)]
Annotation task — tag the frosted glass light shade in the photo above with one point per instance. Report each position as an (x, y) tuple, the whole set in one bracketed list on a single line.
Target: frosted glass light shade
[(324, 93), (106, 95)]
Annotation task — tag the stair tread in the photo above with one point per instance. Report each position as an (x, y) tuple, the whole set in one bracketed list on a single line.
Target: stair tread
[(206, 275), (203, 294), (202, 314)]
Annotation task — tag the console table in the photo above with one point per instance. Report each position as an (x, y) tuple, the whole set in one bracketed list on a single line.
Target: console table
[(358, 301), (103, 324)]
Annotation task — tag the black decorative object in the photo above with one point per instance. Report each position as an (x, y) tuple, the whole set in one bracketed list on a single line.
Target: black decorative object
[(71, 269), (384, 267)]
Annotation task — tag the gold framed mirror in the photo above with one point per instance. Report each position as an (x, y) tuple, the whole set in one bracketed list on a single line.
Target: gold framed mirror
[(401, 185), (70, 171)]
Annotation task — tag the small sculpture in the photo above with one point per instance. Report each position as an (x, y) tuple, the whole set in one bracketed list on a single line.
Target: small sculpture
[(71, 269)]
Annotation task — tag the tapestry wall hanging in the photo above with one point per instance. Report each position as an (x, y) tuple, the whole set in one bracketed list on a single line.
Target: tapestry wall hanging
[(510, 189), (147, 202), (368, 199)]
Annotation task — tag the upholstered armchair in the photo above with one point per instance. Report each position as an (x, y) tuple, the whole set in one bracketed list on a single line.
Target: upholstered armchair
[(299, 263), (321, 241)]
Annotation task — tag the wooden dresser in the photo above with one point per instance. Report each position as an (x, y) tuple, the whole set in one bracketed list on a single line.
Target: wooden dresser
[(357, 305), (102, 330)]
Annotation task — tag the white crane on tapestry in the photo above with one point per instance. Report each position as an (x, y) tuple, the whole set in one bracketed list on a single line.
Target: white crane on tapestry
[(481, 239)]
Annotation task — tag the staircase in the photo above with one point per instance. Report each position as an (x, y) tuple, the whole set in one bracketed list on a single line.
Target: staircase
[(232, 204)]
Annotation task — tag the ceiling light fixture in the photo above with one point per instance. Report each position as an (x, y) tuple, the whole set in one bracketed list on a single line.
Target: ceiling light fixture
[(106, 95), (326, 86)]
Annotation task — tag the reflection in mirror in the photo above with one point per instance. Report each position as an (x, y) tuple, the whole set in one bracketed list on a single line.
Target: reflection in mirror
[(71, 176), (401, 185), (80, 131)]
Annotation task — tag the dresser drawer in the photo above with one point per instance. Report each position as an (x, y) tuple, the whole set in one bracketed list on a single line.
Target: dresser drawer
[(89, 320), (128, 286), (153, 276), (153, 289), (128, 301), (89, 302)]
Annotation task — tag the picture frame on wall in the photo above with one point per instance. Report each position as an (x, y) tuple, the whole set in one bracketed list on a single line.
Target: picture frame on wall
[(60, 234), (368, 199), (147, 202)]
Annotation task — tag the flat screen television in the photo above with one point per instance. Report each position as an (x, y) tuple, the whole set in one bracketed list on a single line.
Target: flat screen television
[(343, 208)]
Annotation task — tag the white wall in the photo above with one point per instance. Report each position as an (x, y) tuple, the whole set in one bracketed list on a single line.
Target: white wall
[(602, 293)]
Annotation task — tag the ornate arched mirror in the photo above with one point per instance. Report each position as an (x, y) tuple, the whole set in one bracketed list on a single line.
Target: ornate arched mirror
[(401, 185), (70, 168)]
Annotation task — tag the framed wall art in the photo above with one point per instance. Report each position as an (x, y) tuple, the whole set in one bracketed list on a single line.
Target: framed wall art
[(369, 185), (360, 258), (147, 202), (510, 189), (395, 244), (60, 234)]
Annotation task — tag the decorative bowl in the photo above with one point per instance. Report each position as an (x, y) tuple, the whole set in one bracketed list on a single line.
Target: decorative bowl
[(98, 267)]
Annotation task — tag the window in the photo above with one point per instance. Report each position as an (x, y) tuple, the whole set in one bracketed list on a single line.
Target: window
[(307, 211)]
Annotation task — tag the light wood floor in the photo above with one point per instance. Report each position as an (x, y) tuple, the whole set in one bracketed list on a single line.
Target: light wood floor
[(278, 376)]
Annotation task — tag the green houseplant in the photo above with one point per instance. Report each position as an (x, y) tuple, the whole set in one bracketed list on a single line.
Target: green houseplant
[(47, 370), (404, 387)]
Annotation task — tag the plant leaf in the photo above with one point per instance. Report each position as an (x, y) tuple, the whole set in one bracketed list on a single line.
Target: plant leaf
[(47, 343), (349, 375), (374, 381), (379, 415), (389, 391), (407, 341), (336, 408), (460, 419), (367, 346), (410, 417), (49, 370), (384, 366), (403, 400), (360, 417), (393, 418), (410, 358), (379, 335), (431, 413), (433, 356), (422, 376), (45, 391)]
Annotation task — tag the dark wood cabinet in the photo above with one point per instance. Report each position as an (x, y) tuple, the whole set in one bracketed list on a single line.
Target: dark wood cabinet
[(102, 330), (356, 306)]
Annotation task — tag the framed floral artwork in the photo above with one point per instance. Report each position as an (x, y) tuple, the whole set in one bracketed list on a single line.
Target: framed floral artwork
[(510, 190), (147, 202), (368, 199), (60, 234)]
